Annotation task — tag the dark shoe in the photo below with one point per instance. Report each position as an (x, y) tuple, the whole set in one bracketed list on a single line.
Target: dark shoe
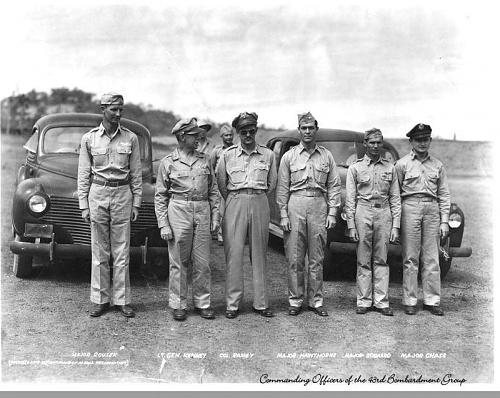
[(410, 309), (206, 313), (99, 309), (267, 312), (231, 314), (293, 310), (126, 310), (362, 310), (220, 242), (434, 309), (385, 311), (179, 314), (318, 310)]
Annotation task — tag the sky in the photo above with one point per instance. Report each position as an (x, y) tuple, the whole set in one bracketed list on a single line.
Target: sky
[(354, 65)]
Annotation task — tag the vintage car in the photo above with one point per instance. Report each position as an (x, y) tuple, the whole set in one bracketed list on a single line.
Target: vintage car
[(347, 146), (46, 219)]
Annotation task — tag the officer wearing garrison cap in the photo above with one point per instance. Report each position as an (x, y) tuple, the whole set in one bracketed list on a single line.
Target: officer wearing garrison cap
[(425, 200), (186, 205), (109, 193), (246, 175), (227, 135), (204, 144), (373, 212), (308, 196)]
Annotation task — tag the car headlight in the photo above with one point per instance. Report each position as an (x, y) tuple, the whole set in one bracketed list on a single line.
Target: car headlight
[(37, 204), (455, 220)]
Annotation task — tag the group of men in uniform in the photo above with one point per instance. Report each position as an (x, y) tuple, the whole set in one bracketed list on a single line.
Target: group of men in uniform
[(199, 194)]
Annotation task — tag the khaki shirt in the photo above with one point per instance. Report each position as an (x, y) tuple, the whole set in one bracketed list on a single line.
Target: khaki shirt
[(179, 175), (238, 169), (115, 158), (215, 155), (301, 170), (372, 181), (425, 177)]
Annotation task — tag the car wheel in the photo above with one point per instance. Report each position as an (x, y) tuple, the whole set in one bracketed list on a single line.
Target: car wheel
[(23, 264), (445, 266)]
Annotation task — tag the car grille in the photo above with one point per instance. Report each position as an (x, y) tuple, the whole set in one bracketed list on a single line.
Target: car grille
[(65, 212)]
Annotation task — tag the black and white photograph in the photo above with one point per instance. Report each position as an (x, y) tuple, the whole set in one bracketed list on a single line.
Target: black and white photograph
[(259, 196)]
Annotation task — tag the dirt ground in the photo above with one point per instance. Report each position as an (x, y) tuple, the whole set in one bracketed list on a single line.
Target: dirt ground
[(48, 336)]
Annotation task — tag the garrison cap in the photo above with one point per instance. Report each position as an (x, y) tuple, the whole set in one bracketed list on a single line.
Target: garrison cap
[(225, 129), (111, 98), (420, 130), (373, 131), (245, 119), (205, 126), (306, 118), (187, 126)]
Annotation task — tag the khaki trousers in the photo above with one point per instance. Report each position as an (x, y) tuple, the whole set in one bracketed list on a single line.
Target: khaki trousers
[(372, 279), (246, 215), (420, 222), (308, 235), (110, 211), (190, 224)]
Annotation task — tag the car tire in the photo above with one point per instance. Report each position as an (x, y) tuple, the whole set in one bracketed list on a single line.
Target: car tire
[(23, 264)]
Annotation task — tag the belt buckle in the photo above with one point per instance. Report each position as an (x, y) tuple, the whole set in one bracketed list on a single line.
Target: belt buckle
[(377, 205)]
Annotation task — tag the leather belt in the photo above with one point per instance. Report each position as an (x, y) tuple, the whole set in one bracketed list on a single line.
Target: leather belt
[(110, 183), (188, 197), (250, 191), (420, 197), (377, 205), (308, 192)]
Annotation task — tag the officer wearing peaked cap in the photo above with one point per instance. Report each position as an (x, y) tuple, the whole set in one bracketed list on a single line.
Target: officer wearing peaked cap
[(246, 175), (424, 220), (308, 195), (373, 211), (186, 205), (204, 145), (109, 192)]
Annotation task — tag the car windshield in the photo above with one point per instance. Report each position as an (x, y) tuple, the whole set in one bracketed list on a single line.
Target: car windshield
[(67, 140), (344, 152)]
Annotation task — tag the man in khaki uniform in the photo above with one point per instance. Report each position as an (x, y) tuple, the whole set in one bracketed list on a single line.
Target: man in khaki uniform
[(373, 212), (426, 205), (186, 205), (110, 192), (204, 144), (308, 195), (246, 175), (226, 133)]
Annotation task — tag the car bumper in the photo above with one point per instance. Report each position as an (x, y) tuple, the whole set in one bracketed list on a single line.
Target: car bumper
[(395, 250), (54, 251)]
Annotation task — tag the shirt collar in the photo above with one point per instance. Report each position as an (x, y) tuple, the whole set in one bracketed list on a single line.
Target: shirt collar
[(367, 159), (302, 148), (241, 150), (413, 155), (102, 130), (176, 155)]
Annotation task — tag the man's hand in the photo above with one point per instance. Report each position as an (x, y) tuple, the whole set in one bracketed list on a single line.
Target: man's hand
[(285, 224), (86, 215), (444, 230), (331, 221), (214, 226), (166, 233), (353, 234), (394, 234), (135, 213)]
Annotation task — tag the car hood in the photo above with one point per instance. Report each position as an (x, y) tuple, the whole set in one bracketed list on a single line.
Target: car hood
[(66, 165)]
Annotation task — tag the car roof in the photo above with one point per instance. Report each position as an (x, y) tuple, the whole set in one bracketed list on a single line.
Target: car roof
[(326, 134), (86, 119)]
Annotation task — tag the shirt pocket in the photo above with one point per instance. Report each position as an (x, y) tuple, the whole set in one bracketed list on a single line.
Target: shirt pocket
[(298, 173), (411, 181), (432, 180), (202, 175), (123, 152), (321, 172), (99, 156), (260, 171), (236, 173), (385, 182)]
